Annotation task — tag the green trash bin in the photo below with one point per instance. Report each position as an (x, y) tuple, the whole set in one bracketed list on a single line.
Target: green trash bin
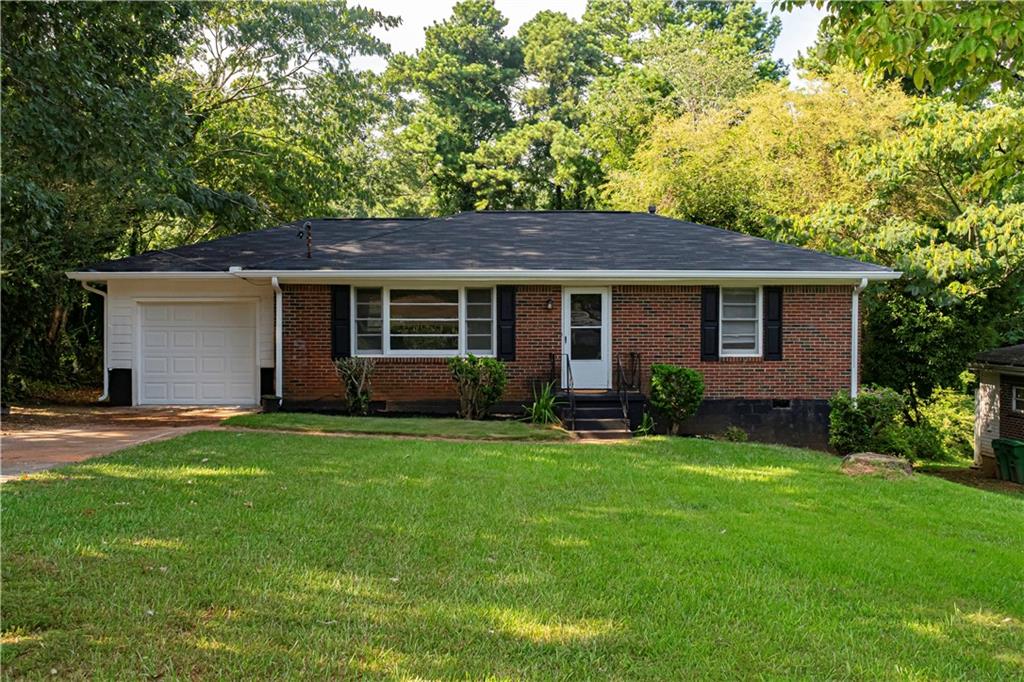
[(1009, 459)]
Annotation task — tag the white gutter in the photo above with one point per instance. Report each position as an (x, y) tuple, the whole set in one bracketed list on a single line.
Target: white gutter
[(278, 341), (512, 275), (106, 334), (854, 334)]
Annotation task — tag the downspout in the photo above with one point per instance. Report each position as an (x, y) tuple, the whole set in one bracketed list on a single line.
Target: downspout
[(854, 334), (278, 340), (106, 334)]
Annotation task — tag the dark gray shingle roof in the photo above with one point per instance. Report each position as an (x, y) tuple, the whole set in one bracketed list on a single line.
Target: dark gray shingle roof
[(507, 240), (1008, 356)]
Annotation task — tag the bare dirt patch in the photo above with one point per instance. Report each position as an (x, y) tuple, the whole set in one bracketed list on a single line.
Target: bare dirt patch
[(46, 417)]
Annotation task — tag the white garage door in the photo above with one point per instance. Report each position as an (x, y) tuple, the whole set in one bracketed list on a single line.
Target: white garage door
[(198, 354)]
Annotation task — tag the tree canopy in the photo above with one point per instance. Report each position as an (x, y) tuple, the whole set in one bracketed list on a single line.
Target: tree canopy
[(132, 126)]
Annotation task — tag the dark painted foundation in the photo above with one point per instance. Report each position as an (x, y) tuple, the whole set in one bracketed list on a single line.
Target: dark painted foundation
[(802, 423)]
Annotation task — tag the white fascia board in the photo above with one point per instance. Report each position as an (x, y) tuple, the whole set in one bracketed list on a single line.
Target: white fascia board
[(106, 276), (546, 276)]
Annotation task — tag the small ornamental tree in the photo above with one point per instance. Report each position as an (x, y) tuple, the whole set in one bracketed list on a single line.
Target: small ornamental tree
[(480, 383), (676, 392), (355, 376)]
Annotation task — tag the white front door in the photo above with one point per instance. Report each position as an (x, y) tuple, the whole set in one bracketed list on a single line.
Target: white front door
[(586, 337)]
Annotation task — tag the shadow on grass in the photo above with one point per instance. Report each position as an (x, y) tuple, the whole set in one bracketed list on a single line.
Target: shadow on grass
[(225, 554)]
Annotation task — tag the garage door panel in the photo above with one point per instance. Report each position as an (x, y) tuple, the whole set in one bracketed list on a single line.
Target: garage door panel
[(155, 366), (198, 353), (152, 391), (155, 339)]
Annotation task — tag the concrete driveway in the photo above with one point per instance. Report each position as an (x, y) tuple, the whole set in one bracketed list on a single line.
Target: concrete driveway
[(38, 438)]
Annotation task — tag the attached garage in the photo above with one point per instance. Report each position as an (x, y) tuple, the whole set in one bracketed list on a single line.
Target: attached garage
[(197, 353)]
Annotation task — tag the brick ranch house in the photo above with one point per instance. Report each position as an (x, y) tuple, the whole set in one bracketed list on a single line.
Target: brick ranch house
[(587, 299)]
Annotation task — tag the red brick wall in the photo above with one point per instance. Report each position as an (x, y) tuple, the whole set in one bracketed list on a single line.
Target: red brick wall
[(663, 324), (1011, 424), (309, 374), (660, 322)]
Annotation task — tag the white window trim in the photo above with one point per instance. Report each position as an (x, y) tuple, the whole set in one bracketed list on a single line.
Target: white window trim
[(1017, 398), (388, 352), (759, 323)]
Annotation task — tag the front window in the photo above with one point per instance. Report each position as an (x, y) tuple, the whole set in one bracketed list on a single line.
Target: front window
[(1018, 398), (428, 322), (423, 319), (740, 322)]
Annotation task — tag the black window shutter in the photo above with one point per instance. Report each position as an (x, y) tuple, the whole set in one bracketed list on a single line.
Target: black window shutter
[(341, 321), (709, 323), (772, 323), (506, 323)]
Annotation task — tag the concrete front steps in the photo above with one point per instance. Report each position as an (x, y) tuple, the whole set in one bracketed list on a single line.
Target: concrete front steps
[(598, 416)]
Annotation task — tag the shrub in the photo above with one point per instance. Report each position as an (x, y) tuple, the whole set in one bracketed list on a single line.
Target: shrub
[(950, 414), (543, 410), (676, 392), (860, 424), (912, 441), (735, 434), (355, 376), (479, 383)]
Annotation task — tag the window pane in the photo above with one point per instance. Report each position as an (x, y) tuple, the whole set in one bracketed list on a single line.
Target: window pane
[(742, 311), (368, 343), (424, 342), (368, 296), (368, 327), (730, 328), (415, 327), (586, 344), (479, 328), (424, 312), (739, 296), (478, 296), (477, 311), (479, 343), (585, 310), (365, 310), (424, 296)]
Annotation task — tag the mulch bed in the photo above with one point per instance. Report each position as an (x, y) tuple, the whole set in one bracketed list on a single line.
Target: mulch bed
[(974, 478)]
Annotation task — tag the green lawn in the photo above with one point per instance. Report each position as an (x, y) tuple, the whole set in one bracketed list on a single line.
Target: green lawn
[(410, 426), (242, 555)]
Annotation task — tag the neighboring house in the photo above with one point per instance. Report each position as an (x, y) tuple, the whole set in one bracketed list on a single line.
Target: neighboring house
[(999, 401), (596, 294)]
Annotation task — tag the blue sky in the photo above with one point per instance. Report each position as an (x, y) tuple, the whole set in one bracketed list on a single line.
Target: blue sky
[(798, 27)]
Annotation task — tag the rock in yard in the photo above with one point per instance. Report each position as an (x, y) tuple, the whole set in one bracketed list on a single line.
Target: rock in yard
[(871, 463)]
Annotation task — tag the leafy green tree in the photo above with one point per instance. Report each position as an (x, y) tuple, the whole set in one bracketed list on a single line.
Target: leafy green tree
[(704, 70), (277, 116), (743, 24), (964, 47), (86, 129), (764, 159), (560, 57), (465, 74)]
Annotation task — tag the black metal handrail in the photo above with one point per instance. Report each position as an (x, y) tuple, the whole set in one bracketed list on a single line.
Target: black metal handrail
[(626, 385), (620, 377), (571, 388)]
